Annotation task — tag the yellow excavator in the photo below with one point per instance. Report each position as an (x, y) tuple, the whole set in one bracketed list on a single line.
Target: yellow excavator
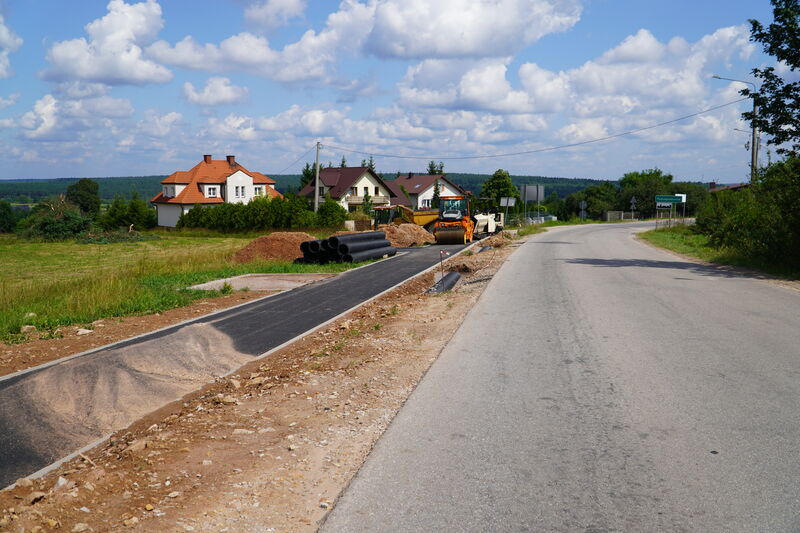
[(454, 225)]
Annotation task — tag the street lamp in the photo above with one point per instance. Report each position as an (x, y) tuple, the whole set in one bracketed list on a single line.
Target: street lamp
[(754, 140)]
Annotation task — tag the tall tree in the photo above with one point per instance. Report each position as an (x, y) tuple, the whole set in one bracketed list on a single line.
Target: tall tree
[(344, 163), (433, 168), (371, 163), (307, 175), (778, 100), (7, 218), (499, 186), (85, 194), (436, 195)]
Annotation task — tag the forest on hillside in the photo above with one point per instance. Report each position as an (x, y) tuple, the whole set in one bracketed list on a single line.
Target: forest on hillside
[(31, 191)]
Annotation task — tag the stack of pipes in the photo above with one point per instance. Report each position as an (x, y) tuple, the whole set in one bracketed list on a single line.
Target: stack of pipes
[(350, 248)]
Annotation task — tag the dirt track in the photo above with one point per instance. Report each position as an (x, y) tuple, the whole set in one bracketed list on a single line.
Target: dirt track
[(270, 447)]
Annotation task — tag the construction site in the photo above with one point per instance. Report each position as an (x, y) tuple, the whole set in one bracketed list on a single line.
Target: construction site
[(273, 402)]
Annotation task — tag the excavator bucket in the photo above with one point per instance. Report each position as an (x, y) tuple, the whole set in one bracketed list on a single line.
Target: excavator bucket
[(451, 235)]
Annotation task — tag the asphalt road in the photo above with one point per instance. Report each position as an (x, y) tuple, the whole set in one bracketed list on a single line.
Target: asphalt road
[(598, 385), (55, 410)]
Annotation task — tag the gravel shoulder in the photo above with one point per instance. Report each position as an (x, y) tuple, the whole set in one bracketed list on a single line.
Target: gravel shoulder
[(269, 448)]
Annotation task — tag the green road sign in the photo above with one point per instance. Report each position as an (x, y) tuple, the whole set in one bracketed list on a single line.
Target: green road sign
[(672, 199)]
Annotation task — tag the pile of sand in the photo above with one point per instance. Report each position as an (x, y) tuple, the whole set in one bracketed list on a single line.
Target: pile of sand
[(283, 245), (498, 240), (406, 235)]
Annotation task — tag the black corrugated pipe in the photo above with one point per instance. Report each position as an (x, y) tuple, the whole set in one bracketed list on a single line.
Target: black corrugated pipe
[(446, 283), (366, 255), (304, 246), (360, 246), (353, 237), (483, 249), (314, 246)]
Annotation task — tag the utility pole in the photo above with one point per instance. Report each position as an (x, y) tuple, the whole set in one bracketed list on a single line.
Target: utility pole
[(754, 144), (754, 140), (316, 179)]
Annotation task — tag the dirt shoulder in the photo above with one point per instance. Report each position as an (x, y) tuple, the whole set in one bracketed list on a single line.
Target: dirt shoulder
[(271, 447)]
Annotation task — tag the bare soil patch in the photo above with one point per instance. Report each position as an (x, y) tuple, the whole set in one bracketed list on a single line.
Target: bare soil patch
[(279, 245), (269, 448), (406, 235)]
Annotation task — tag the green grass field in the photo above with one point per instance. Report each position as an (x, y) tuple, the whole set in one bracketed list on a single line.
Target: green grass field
[(684, 240), (65, 283)]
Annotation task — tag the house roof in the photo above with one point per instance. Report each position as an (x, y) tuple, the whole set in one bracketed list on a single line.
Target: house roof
[(339, 181), (209, 171), (416, 184), (214, 171)]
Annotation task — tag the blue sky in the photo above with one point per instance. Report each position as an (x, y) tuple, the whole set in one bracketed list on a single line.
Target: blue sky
[(131, 87)]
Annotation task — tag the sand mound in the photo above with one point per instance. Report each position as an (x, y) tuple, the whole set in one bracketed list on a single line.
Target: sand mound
[(406, 235), (498, 241), (279, 245)]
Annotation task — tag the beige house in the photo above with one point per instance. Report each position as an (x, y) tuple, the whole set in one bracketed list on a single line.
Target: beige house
[(349, 186)]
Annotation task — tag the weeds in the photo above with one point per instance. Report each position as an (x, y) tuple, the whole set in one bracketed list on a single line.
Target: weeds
[(227, 288)]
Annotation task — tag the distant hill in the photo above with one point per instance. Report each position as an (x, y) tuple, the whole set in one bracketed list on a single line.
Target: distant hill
[(30, 191), (34, 190), (473, 182)]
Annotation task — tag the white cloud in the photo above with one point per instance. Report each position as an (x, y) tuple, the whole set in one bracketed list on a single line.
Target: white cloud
[(421, 29), (43, 120), (113, 54), (274, 13), (6, 102), (308, 59), (157, 124), (9, 42), (80, 89), (218, 90)]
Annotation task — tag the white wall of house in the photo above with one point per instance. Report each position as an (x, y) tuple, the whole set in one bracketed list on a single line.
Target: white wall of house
[(168, 215), (365, 181), (445, 189), (241, 182)]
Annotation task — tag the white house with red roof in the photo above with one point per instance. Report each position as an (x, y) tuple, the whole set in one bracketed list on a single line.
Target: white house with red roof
[(210, 182)]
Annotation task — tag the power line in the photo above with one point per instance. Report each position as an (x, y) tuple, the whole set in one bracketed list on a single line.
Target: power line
[(295, 161), (539, 150)]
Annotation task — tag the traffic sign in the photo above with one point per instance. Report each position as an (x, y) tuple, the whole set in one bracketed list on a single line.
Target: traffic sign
[(633, 203), (664, 205), (668, 198)]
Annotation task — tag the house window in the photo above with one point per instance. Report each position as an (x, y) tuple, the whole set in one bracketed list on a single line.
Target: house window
[(257, 191), (377, 191), (426, 203), (322, 191), (211, 192), (366, 191), (353, 191)]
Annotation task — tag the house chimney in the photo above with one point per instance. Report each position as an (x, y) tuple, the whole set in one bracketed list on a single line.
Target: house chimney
[(207, 158), (231, 160), (410, 175), (712, 185)]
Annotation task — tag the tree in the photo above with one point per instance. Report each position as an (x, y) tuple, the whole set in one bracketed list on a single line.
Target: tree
[(55, 219), (308, 175), (7, 218), (778, 101), (644, 185), (433, 168), (331, 214), (367, 205), (85, 194), (499, 186), (344, 163), (371, 164), (436, 194), (140, 215)]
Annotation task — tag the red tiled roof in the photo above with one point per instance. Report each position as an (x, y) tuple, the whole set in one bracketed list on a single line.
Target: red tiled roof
[(339, 180), (209, 171), (214, 171)]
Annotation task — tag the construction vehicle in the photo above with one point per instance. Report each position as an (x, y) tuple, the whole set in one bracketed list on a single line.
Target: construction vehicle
[(488, 223), (400, 214), (455, 225)]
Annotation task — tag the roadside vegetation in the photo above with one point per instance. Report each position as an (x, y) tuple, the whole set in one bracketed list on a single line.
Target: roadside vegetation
[(54, 284)]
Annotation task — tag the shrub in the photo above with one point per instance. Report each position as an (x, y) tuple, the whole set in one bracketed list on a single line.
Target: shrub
[(331, 214)]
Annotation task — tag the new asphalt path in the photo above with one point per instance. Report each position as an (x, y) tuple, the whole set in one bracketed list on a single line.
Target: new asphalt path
[(598, 385), (52, 411)]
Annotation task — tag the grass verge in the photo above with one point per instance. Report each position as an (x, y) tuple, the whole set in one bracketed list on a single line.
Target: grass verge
[(685, 240), (48, 285)]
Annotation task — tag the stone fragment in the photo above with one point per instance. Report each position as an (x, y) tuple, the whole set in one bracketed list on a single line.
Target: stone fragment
[(83, 331), (236, 384), (24, 482), (241, 431), (149, 507), (34, 497), (130, 522), (80, 527), (27, 329), (173, 494)]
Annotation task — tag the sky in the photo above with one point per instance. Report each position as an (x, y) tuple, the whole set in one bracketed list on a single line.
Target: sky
[(127, 87)]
